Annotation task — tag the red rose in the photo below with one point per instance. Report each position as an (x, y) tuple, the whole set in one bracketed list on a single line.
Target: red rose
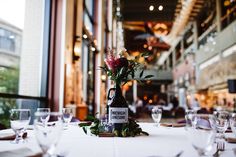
[(122, 62)]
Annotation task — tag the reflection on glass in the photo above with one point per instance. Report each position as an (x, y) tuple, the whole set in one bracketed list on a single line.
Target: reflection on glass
[(156, 115), (233, 123), (189, 117), (19, 120), (67, 115), (221, 122), (203, 135), (48, 135), (45, 118)]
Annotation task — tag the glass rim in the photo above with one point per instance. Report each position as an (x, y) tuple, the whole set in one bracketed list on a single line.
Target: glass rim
[(203, 115), (43, 108), (48, 113), (19, 109), (232, 114)]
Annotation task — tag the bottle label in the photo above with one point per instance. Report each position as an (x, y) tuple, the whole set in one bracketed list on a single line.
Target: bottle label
[(118, 115)]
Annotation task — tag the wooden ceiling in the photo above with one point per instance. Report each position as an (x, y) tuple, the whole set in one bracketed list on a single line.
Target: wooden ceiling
[(143, 27), (138, 10)]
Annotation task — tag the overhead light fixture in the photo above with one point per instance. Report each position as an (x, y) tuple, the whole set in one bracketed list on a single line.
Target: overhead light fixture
[(77, 50), (160, 8), (103, 78), (85, 36), (151, 7)]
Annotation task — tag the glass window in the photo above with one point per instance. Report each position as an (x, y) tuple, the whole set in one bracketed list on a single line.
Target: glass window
[(88, 24), (21, 49), (89, 6)]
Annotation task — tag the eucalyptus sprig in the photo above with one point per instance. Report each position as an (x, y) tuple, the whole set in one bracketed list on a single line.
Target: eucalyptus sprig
[(131, 129)]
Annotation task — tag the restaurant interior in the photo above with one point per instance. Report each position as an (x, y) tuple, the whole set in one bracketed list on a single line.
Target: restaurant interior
[(170, 63)]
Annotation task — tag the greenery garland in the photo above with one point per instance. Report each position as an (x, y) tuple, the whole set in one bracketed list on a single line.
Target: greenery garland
[(131, 129)]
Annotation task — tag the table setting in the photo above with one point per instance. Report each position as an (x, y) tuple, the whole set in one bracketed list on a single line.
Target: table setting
[(51, 136)]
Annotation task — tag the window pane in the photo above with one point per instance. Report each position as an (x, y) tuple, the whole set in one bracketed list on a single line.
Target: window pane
[(21, 46)]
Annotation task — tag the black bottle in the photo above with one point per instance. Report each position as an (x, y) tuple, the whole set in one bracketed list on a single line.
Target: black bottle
[(118, 110)]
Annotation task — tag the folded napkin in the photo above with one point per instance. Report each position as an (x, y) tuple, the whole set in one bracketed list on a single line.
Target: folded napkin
[(17, 152), (228, 130), (231, 140), (10, 136), (172, 124)]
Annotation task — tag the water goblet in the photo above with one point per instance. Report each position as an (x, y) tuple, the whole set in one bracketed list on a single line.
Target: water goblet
[(190, 117), (19, 119), (156, 115), (46, 117), (48, 135), (202, 136), (67, 115), (221, 122), (233, 123)]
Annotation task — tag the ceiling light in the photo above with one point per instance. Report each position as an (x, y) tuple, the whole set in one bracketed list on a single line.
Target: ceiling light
[(160, 8), (85, 36), (151, 7)]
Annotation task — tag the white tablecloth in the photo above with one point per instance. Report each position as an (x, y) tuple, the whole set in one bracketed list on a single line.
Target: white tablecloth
[(162, 141)]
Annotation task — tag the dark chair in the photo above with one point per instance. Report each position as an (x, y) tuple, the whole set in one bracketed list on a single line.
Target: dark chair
[(203, 111), (74, 120), (179, 112)]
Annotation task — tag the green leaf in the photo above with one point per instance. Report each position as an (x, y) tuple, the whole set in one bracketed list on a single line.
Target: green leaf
[(90, 118), (141, 74), (145, 133), (85, 130), (145, 54), (148, 76), (84, 124), (132, 74)]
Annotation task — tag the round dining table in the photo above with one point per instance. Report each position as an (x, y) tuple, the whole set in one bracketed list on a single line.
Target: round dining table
[(161, 142)]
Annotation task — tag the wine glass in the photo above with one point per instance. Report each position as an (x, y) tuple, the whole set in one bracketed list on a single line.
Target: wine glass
[(19, 119), (202, 136), (221, 122), (44, 110), (48, 135), (156, 115), (67, 115), (233, 123), (190, 117)]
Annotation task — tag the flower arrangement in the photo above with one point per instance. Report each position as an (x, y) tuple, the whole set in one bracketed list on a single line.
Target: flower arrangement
[(120, 69)]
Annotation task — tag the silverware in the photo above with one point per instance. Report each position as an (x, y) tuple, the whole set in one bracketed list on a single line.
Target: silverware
[(219, 147)]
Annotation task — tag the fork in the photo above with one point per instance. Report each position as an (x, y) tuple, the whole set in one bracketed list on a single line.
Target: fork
[(220, 147)]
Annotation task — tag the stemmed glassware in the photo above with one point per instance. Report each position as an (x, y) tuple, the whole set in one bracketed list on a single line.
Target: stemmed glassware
[(190, 117), (156, 114), (48, 134), (202, 136), (221, 122), (45, 118), (233, 123), (19, 119), (67, 115)]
